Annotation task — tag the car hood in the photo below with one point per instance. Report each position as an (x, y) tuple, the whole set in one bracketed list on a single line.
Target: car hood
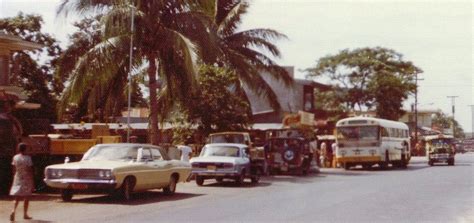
[(95, 164), (215, 159)]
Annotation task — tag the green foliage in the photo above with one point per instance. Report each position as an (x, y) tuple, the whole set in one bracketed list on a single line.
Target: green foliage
[(36, 79), (367, 78), (102, 95), (216, 107), (247, 52), (443, 121)]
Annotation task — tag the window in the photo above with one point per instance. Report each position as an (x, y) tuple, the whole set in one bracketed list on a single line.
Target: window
[(156, 154)]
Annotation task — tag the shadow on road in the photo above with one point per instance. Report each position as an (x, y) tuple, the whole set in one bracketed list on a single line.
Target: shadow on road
[(34, 197), (142, 198), (294, 178), (231, 183)]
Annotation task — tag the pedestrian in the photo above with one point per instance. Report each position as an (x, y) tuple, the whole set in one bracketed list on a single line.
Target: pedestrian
[(324, 154), (22, 186), (185, 151), (334, 152)]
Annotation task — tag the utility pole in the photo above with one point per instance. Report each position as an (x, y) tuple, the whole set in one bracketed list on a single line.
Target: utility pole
[(453, 100), (132, 29), (472, 120), (416, 106)]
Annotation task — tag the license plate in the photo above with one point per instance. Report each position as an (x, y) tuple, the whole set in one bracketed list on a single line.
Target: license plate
[(79, 186), (211, 168)]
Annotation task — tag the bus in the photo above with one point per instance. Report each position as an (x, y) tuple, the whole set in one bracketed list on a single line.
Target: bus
[(369, 141)]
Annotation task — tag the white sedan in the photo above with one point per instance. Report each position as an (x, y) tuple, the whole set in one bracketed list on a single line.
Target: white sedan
[(120, 168)]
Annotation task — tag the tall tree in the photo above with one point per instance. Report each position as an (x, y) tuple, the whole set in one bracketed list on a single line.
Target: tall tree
[(369, 77), (35, 78), (245, 51), (159, 38), (442, 121), (101, 99)]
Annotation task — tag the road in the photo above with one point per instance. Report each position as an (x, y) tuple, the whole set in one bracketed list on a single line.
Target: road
[(418, 194)]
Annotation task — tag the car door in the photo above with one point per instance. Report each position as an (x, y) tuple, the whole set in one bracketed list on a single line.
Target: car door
[(144, 171), (162, 168)]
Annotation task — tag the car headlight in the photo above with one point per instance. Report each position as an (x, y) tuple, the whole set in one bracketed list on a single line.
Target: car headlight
[(105, 173)]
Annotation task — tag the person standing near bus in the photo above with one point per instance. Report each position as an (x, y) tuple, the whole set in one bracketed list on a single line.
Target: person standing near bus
[(22, 186), (324, 153)]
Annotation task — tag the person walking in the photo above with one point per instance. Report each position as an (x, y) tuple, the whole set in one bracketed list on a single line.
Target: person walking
[(22, 186)]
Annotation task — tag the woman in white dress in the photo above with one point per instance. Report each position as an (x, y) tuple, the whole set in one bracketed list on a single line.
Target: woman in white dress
[(22, 186)]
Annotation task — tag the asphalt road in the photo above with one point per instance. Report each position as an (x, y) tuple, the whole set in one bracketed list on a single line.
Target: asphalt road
[(418, 194)]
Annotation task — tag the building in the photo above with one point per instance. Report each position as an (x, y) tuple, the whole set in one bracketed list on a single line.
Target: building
[(300, 96)]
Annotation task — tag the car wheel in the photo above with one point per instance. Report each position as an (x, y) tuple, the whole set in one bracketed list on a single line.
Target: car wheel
[(66, 195), (219, 179), (127, 189), (451, 162), (199, 180), (240, 179), (171, 188), (367, 166), (430, 162)]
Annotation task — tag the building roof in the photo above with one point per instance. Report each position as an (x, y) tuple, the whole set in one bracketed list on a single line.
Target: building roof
[(15, 43)]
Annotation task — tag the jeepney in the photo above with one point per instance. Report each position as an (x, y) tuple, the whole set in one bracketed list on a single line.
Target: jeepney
[(439, 149)]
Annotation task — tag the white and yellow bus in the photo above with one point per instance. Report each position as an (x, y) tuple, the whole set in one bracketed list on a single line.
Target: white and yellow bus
[(368, 141)]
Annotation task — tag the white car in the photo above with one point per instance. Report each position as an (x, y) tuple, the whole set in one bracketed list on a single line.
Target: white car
[(224, 160), (121, 168)]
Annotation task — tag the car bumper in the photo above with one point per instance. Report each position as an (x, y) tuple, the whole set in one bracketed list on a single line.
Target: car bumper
[(82, 184), (440, 158), (216, 173)]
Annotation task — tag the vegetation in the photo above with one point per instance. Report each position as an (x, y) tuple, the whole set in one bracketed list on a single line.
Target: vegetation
[(368, 78), (27, 72), (442, 121)]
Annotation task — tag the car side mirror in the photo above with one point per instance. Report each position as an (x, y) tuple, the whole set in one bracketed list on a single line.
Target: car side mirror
[(247, 151)]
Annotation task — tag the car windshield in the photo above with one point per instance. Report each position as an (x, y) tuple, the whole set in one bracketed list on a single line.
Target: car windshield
[(441, 142), (358, 132), (227, 138), (111, 152), (220, 151), (281, 144)]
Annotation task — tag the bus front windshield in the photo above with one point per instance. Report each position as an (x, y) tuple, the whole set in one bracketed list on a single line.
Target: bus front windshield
[(358, 133)]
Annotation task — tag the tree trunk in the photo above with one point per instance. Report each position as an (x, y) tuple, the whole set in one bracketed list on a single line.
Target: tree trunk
[(153, 129)]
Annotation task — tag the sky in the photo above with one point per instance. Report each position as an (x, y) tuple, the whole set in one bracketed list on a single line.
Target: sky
[(436, 35)]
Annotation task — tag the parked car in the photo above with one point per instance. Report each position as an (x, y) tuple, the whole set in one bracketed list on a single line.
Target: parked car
[(120, 168), (224, 160), (290, 155), (257, 153)]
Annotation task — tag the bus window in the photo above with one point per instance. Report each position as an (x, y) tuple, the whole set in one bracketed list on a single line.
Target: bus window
[(369, 132)]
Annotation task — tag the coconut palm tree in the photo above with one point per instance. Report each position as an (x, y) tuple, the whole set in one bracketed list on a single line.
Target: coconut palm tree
[(160, 42), (243, 50)]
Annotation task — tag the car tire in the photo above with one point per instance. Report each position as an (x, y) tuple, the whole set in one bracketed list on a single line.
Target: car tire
[(219, 179), (451, 162), (199, 180), (430, 162), (66, 195), (367, 166), (171, 188), (240, 179), (127, 188)]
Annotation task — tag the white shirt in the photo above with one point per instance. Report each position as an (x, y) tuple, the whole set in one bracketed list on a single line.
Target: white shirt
[(185, 151)]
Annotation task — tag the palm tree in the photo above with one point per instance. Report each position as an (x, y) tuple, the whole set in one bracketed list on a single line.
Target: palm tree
[(159, 41), (242, 51)]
